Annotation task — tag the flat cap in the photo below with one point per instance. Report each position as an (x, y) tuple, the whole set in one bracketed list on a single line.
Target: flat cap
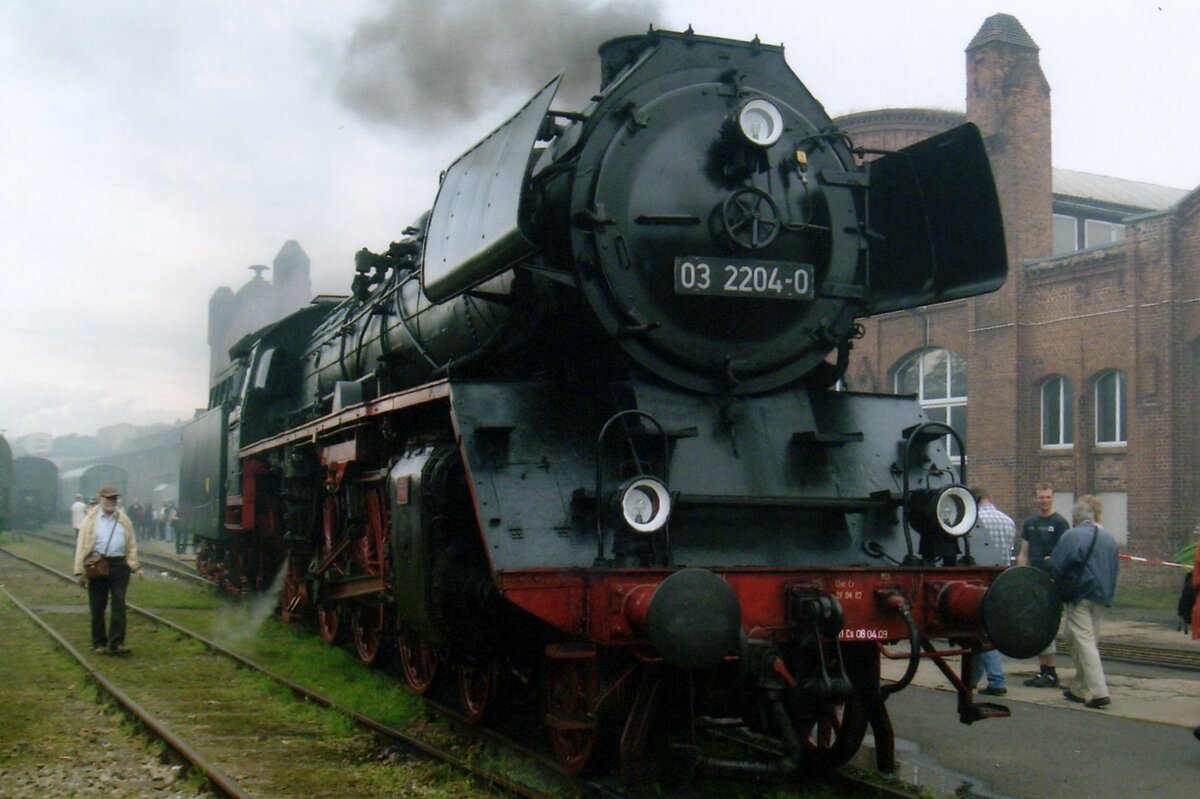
[(108, 492)]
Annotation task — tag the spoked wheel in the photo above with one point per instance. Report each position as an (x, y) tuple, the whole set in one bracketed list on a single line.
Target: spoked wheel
[(569, 717), (330, 565), (832, 738), (418, 660), (329, 624), (370, 551), (366, 627), (475, 686), (293, 597)]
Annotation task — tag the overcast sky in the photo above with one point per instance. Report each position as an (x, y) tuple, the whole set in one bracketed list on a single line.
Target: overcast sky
[(151, 151)]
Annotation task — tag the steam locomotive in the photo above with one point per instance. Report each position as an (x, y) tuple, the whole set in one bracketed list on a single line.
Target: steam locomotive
[(580, 431)]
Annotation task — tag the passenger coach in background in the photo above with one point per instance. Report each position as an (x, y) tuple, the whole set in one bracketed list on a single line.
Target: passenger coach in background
[(6, 480), (577, 428), (35, 492)]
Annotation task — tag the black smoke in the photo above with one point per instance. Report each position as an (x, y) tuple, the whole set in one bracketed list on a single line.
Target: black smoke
[(428, 65)]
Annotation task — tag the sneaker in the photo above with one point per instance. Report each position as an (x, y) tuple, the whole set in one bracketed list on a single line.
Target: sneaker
[(1098, 702), (994, 691), (120, 649), (1042, 680), (99, 650), (1070, 697)]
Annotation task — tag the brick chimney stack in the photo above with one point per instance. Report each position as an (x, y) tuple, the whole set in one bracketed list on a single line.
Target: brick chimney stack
[(1008, 97)]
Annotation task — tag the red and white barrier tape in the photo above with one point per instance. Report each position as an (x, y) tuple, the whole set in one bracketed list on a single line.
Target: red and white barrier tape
[(1153, 562)]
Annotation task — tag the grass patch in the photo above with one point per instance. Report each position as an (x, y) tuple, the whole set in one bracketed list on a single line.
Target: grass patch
[(1146, 598), (347, 759), (297, 652), (161, 593)]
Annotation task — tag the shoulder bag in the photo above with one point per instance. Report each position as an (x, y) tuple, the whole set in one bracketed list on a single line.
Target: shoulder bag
[(96, 564), (1068, 581)]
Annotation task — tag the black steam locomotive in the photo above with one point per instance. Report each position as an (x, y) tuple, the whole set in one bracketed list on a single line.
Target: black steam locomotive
[(580, 428)]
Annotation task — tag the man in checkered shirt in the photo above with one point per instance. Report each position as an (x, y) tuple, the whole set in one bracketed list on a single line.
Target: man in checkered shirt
[(999, 525), (1001, 531)]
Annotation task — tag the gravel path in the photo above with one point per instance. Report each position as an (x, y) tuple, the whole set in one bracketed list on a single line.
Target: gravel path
[(56, 739)]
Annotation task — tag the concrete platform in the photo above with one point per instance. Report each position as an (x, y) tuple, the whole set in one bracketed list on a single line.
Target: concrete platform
[(1154, 694), (1140, 745)]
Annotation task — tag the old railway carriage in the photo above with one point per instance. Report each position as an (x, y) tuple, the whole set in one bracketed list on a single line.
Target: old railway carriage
[(88, 480), (35, 492), (6, 480), (577, 429)]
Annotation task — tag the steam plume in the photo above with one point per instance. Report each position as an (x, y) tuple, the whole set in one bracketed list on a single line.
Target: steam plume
[(429, 65), (237, 624)]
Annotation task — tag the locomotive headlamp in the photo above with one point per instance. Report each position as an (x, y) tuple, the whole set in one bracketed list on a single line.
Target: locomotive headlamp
[(644, 504), (950, 509), (760, 122)]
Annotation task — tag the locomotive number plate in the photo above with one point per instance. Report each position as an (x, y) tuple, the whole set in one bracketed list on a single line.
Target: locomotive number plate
[(783, 280)]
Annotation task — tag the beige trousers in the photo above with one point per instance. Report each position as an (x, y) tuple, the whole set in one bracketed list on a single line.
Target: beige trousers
[(1083, 633)]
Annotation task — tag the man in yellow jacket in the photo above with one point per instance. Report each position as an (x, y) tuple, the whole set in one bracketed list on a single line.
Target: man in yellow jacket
[(108, 532)]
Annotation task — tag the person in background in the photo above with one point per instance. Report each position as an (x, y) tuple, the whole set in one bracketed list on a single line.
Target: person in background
[(1039, 534), (1196, 605), (180, 535), (109, 532), (79, 509), (1089, 552), (135, 514), (1002, 531), (1196, 610)]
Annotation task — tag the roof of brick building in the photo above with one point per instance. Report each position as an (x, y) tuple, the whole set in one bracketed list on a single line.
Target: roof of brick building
[(1115, 191), (1002, 28)]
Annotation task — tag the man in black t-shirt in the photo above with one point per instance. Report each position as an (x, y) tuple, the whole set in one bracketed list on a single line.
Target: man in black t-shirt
[(1038, 537)]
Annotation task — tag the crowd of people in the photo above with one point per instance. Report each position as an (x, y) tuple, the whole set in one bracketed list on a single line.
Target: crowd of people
[(150, 523), (1082, 558)]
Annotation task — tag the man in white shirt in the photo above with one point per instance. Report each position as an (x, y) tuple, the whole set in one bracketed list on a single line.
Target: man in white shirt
[(107, 532), (79, 509)]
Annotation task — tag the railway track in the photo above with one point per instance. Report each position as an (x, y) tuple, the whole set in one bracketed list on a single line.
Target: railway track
[(235, 767), (223, 739), (173, 566)]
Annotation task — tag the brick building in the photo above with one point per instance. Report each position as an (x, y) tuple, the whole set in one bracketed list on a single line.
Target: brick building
[(258, 303), (1084, 368)]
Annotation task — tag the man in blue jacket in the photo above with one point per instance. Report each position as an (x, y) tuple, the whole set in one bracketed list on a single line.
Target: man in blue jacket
[(1086, 556)]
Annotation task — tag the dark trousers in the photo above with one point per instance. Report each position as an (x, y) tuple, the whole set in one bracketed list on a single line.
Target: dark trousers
[(99, 590)]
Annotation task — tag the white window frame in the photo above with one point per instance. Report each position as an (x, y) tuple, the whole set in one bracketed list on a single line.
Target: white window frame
[(1119, 408), (943, 404), (1115, 514), (1114, 233), (1066, 415), (1074, 233)]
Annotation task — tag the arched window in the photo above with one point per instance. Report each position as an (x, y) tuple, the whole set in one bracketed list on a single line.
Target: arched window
[(939, 379), (1110, 408), (1058, 417)]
